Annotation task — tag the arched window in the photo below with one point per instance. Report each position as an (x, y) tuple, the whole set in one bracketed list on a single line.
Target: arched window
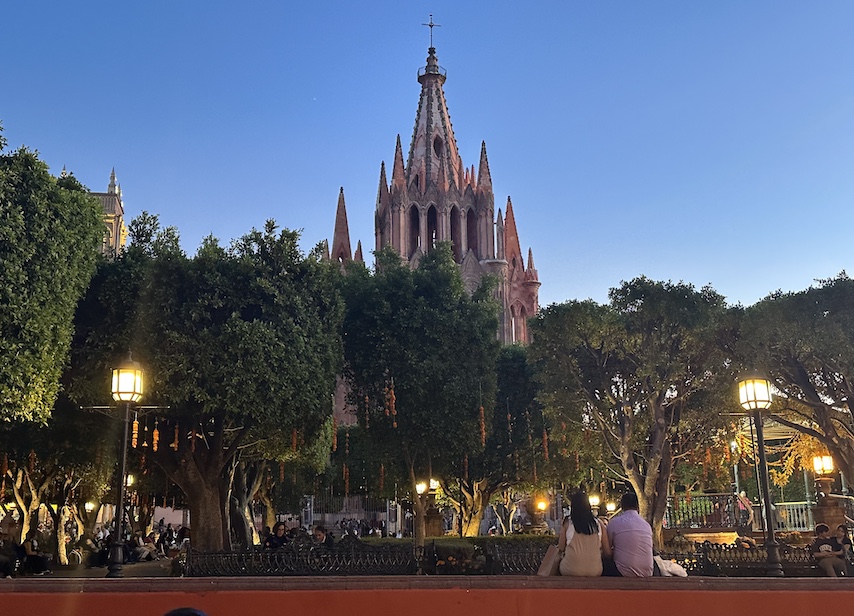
[(414, 230), (471, 232), (437, 146), (456, 234), (432, 228)]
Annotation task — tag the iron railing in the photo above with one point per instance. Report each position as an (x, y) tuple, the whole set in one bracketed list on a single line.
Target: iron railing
[(301, 557), (701, 511)]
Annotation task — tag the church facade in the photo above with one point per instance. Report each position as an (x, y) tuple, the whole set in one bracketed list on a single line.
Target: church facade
[(433, 197)]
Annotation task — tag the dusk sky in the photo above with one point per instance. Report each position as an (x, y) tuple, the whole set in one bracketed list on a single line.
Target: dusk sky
[(709, 142)]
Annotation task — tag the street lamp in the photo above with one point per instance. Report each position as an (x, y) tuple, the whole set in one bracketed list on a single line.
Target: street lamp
[(594, 501), (754, 395), (127, 388), (823, 466)]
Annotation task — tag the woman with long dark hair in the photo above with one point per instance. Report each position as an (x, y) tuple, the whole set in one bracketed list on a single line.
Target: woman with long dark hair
[(583, 540)]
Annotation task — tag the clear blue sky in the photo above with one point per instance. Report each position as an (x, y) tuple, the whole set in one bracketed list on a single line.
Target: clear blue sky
[(710, 142)]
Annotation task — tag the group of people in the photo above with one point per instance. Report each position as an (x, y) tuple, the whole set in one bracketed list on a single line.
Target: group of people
[(591, 546), (833, 554), (280, 536)]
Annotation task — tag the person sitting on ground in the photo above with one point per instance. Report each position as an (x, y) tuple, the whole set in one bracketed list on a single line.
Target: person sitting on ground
[(583, 540), (35, 561), (631, 541), (827, 552), (277, 538), (323, 537)]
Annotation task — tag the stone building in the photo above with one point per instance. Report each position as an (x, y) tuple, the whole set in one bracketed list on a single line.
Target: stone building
[(432, 197), (115, 233)]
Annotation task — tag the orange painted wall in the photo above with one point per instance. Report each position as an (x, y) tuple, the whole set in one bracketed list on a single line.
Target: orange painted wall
[(433, 602)]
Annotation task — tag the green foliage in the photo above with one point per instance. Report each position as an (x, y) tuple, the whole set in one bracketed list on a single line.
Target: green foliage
[(240, 345), (804, 342), (647, 374), (418, 332), (50, 231)]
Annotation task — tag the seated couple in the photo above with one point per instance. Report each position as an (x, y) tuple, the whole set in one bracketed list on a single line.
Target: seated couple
[(592, 547)]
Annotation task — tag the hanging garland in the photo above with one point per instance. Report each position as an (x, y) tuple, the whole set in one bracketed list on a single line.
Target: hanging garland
[(334, 434), (134, 432), (346, 473), (155, 437), (482, 420)]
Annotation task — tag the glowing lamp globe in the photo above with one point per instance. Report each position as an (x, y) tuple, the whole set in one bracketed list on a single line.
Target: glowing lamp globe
[(754, 393), (127, 381)]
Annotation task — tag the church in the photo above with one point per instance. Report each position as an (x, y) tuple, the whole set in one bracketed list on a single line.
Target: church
[(433, 197)]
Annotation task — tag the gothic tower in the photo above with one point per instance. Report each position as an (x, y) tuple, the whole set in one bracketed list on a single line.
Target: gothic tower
[(116, 232), (434, 197)]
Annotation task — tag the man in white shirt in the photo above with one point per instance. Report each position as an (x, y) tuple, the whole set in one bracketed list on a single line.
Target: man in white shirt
[(631, 541)]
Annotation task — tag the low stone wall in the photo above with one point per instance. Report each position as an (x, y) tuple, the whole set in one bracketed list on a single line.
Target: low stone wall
[(426, 596)]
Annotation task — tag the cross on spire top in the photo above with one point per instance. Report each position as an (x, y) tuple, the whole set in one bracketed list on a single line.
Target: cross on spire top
[(431, 25)]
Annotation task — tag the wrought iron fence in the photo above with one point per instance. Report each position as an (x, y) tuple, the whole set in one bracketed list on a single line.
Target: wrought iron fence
[(301, 557)]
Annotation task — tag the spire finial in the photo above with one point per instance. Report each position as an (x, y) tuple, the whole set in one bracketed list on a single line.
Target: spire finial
[(431, 25)]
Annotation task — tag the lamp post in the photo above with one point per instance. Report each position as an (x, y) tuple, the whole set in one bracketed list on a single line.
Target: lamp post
[(754, 395), (127, 388)]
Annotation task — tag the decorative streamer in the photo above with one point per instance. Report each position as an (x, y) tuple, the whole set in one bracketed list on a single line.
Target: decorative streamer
[(155, 437), (346, 473), (334, 434), (545, 445), (466, 467), (174, 444), (134, 432), (281, 472), (347, 443), (482, 420)]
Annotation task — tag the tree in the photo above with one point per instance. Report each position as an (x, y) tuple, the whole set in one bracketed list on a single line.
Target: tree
[(420, 359), (515, 452), (804, 342), (242, 344), (644, 372), (50, 230)]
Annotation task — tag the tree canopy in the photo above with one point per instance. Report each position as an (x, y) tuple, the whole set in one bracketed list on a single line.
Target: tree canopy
[(50, 230), (242, 344), (420, 359), (643, 372), (804, 342)]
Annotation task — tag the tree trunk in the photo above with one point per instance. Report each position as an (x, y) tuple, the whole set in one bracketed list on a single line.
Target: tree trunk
[(198, 466), (505, 512), (472, 505)]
